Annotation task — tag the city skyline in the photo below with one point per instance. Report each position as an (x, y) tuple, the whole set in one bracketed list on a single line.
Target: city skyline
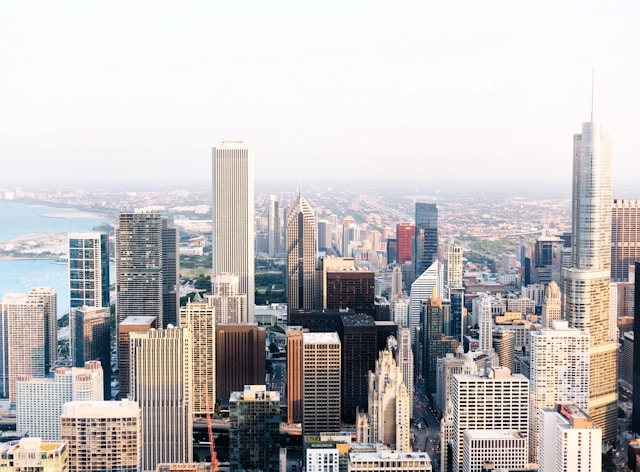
[(360, 86)]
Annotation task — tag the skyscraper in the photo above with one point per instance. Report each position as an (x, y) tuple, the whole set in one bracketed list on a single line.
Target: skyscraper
[(425, 251), (585, 285), (139, 283), (552, 305), (130, 325), (90, 340), (254, 433), (230, 305), (200, 318), (170, 273), (421, 289), (294, 374), (321, 362), (49, 298), (34, 454), (88, 269), (162, 384), (301, 242), (625, 238), (559, 373), (273, 226), (233, 213), (405, 232)]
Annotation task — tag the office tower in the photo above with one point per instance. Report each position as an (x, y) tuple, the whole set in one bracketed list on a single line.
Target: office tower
[(131, 324), (485, 323), (434, 343), (170, 273), (504, 450), (404, 237), (388, 418), (273, 226), (4, 351), (425, 252), (139, 284), (39, 401), (301, 241), (321, 360), (625, 238), (230, 305), (324, 237), (421, 289), (454, 290), (625, 360), (358, 338), (26, 338), (495, 400), (34, 455), (49, 298), (635, 417), (552, 306), (254, 433), (240, 358), (294, 374), (233, 212), (389, 461), (585, 285), (559, 372), (401, 312), (90, 340), (396, 283), (163, 357), (326, 265), (404, 359), (353, 289), (569, 440), (350, 236), (199, 318), (88, 269), (392, 250), (102, 436), (504, 345), (547, 260)]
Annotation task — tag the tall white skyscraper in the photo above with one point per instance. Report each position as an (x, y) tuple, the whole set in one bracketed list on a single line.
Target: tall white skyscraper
[(233, 214), (485, 323), (585, 285), (421, 290), (230, 305), (301, 248), (162, 384), (404, 359), (559, 373), (496, 400), (273, 226)]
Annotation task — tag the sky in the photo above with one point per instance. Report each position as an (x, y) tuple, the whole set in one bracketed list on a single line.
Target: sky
[(355, 91)]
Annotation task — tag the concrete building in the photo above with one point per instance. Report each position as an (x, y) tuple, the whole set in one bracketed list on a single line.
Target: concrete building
[(389, 461), (163, 357), (88, 269), (102, 436), (230, 305), (325, 265), (301, 240), (505, 450), (39, 401), (254, 434), (552, 305), (273, 227), (586, 284), (405, 233), (321, 386), (34, 455), (405, 361), (199, 317), (328, 451), (434, 343), (90, 340), (233, 213), (625, 238), (131, 324), (559, 373), (353, 289), (494, 400), (240, 358), (569, 440)]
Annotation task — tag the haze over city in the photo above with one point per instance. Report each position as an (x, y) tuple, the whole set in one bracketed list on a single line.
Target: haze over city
[(140, 92)]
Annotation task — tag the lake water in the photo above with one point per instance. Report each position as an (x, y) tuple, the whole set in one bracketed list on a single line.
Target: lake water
[(20, 276)]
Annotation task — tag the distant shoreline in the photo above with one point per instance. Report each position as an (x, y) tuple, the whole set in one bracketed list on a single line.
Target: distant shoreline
[(25, 258)]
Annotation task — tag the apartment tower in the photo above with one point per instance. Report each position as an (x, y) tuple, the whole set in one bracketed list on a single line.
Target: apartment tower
[(131, 324), (585, 285), (294, 374), (233, 213), (230, 306), (301, 249)]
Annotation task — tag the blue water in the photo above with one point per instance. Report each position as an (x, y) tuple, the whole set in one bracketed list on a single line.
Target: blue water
[(20, 276)]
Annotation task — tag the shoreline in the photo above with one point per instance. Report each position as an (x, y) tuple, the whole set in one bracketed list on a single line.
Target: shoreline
[(26, 258)]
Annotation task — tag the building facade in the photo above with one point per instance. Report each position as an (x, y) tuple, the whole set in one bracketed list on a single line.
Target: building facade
[(625, 238), (88, 269), (233, 213), (426, 237)]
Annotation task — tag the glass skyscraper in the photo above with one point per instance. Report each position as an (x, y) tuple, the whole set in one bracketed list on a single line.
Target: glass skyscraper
[(426, 237), (88, 270)]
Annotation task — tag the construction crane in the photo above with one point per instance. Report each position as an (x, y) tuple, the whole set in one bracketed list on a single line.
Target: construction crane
[(212, 446)]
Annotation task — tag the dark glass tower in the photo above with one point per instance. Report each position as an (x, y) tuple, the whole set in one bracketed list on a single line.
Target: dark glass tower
[(635, 417), (426, 237), (88, 269)]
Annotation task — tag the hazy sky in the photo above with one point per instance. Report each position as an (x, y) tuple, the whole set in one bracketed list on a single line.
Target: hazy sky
[(325, 90)]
